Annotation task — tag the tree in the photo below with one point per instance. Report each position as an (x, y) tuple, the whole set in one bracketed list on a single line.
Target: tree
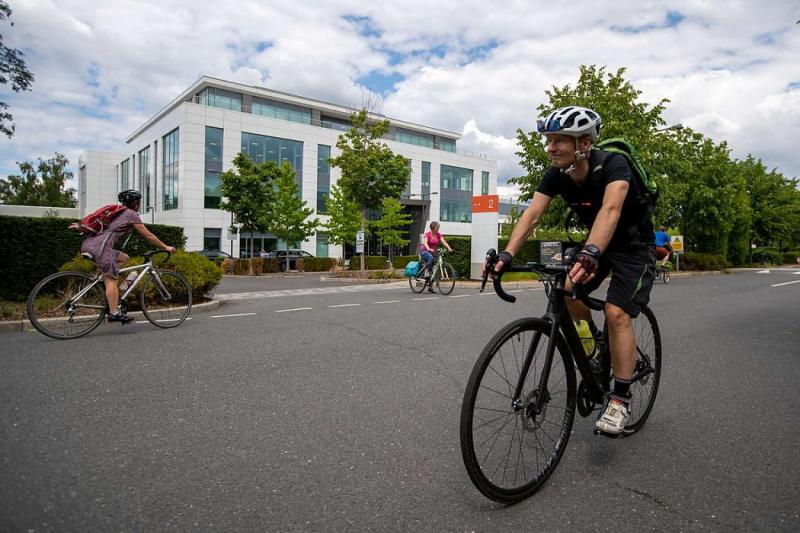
[(289, 217), (617, 102), (247, 195), (13, 70), (388, 226), (514, 215), (41, 184), (370, 170), (344, 219)]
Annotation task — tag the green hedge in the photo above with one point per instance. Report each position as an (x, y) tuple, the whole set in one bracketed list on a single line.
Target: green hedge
[(269, 265), (371, 262), (698, 261), (36, 247), (241, 267), (773, 256), (460, 258), (399, 262), (316, 264)]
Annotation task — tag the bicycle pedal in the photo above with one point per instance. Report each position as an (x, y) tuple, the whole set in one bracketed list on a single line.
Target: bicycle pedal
[(607, 435)]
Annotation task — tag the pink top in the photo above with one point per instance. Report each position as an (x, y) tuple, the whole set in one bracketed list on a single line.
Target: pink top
[(432, 239)]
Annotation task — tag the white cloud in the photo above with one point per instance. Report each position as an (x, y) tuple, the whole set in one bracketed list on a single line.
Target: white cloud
[(104, 68)]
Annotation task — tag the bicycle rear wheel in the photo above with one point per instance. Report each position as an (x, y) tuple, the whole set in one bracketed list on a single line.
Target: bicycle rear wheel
[(167, 306), (665, 276), (647, 372), (509, 452), (446, 280), (417, 282), (53, 311)]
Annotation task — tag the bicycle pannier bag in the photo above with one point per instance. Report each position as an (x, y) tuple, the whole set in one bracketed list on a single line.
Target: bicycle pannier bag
[(96, 222), (412, 268)]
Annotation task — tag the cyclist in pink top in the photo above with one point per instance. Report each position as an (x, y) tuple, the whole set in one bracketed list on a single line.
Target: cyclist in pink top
[(430, 241)]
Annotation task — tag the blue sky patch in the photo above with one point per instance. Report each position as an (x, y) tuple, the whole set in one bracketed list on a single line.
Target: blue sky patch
[(672, 20), (263, 45), (93, 74), (793, 85), (380, 83), (365, 25), (482, 50)]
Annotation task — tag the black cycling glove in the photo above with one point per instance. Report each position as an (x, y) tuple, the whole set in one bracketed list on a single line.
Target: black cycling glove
[(506, 258), (589, 258)]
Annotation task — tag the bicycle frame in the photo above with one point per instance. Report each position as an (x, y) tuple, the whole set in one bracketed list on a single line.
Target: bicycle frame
[(144, 267)]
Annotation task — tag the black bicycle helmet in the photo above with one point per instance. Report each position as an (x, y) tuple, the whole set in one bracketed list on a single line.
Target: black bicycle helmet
[(129, 198)]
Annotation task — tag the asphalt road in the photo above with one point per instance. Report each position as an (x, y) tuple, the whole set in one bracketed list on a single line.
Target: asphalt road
[(340, 411)]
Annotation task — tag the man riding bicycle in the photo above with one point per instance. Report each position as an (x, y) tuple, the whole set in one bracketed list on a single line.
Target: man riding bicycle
[(599, 187), (663, 246), (109, 260)]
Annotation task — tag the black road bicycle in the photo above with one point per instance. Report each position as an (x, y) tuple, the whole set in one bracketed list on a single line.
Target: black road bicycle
[(68, 305), (521, 397)]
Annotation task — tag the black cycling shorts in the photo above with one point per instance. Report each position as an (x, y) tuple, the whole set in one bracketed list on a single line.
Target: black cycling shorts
[(633, 274)]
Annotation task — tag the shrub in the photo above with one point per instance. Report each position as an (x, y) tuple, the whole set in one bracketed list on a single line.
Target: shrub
[(227, 266), (371, 262), (460, 258), (203, 275), (790, 258), (399, 262), (269, 265), (316, 264), (79, 264), (699, 261), (36, 247), (241, 267)]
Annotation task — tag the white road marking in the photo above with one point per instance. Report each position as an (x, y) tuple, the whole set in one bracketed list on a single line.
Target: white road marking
[(461, 296), (422, 299), (388, 302), (147, 321), (345, 305), (295, 309), (518, 290), (228, 316), (763, 272), (787, 283), (797, 273)]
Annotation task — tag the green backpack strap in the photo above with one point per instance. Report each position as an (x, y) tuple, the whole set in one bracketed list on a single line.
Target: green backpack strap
[(618, 145)]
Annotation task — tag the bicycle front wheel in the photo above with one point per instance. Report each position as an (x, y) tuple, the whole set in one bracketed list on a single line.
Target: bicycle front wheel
[(54, 310), (446, 280), (647, 371), (417, 282), (510, 450), (168, 303)]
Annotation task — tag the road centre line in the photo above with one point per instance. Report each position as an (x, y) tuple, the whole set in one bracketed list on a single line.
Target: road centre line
[(787, 283), (388, 302), (422, 299), (228, 316), (345, 305), (461, 296), (295, 309)]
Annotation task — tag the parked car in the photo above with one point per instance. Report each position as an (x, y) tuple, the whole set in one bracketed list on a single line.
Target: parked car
[(215, 254), (280, 255)]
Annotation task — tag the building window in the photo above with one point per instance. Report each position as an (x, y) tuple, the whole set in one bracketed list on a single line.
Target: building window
[(456, 194), (407, 191), (213, 169), (222, 98), (281, 111), (262, 148), (484, 182), (447, 145), (426, 179), (335, 123), (212, 238), (414, 137), (322, 244), (124, 175), (144, 177), (323, 177), (170, 172)]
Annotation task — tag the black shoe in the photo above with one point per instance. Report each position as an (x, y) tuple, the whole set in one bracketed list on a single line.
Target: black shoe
[(119, 317), (430, 288)]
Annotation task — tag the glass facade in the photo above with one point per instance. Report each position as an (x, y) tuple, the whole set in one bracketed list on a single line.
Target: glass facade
[(124, 175), (335, 123), (456, 194), (281, 111), (414, 137), (447, 145), (212, 238), (213, 168), (426, 179), (144, 178), (322, 244), (484, 182), (407, 191), (323, 177), (222, 98), (262, 148), (170, 172)]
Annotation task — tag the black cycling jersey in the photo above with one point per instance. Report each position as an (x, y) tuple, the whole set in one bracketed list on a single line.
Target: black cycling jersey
[(634, 228)]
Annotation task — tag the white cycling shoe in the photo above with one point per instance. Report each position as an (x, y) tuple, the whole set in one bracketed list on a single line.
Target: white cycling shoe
[(613, 419)]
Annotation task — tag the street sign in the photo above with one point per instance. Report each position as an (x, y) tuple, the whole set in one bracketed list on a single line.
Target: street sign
[(677, 244), (547, 249), (360, 242), (488, 203), (231, 235)]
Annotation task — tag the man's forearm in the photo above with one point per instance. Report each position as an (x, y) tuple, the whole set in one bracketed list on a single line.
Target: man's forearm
[(603, 228), (522, 231)]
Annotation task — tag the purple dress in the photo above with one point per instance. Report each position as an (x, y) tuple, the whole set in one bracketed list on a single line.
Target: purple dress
[(101, 246)]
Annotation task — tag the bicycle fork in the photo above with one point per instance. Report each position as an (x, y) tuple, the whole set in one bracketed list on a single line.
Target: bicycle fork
[(543, 396)]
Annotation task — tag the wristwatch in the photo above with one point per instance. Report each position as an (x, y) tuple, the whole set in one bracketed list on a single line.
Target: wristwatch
[(592, 250)]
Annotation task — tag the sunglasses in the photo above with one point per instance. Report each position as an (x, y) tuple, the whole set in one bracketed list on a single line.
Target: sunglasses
[(553, 127)]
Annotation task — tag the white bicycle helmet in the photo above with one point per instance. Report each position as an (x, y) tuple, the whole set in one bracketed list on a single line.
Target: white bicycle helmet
[(572, 120)]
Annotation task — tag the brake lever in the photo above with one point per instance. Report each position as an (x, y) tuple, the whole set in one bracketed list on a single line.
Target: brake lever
[(491, 261)]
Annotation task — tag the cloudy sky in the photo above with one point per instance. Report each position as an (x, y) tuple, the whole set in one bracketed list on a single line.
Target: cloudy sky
[(730, 68)]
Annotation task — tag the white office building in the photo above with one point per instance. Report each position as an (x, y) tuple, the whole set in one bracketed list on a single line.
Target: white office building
[(176, 158)]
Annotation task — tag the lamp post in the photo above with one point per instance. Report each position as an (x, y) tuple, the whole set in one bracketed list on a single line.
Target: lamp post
[(152, 214)]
